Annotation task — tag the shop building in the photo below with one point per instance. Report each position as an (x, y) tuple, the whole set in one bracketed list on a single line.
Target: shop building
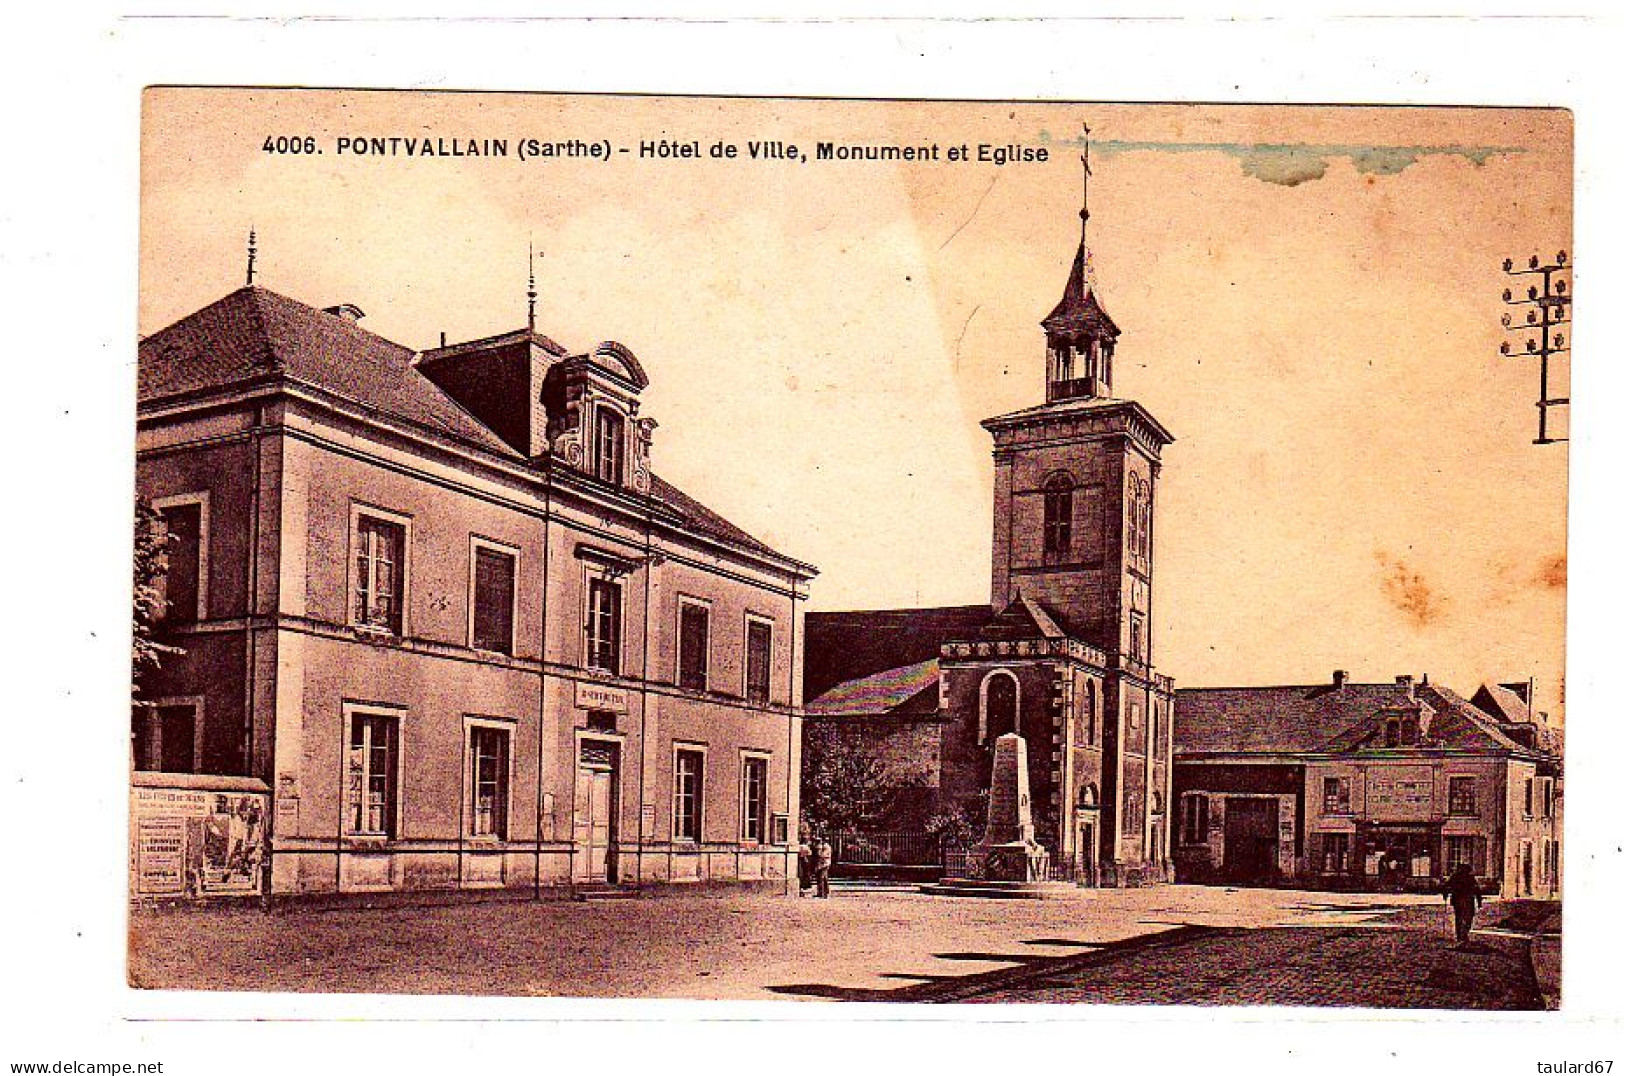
[(1368, 786)]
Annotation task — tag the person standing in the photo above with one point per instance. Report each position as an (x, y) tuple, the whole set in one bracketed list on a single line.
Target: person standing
[(1461, 892), (804, 864), (823, 860)]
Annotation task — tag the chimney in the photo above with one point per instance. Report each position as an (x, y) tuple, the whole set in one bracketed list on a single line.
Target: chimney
[(1340, 679), (348, 311), (1408, 684)]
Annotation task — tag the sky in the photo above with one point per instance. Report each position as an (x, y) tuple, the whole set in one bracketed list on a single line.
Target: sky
[(1310, 301)]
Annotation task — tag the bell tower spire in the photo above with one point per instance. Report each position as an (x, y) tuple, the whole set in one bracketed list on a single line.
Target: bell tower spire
[(1079, 334)]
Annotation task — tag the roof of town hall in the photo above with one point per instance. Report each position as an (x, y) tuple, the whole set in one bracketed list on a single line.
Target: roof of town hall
[(1321, 717), (253, 333)]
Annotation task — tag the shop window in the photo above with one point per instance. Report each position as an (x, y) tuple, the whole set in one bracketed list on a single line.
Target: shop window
[(1473, 851), (1335, 853), (688, 799), (488, 781), (753, 798), (492, 627), (371, 775)]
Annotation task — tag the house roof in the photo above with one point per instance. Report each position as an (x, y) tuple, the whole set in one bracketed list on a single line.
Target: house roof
[(908, 690), (1502, 703), (703, 519), (1321, 717), (254, 332)]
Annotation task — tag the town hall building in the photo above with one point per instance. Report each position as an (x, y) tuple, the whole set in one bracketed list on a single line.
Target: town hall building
[(1062, 654), (439, 624)]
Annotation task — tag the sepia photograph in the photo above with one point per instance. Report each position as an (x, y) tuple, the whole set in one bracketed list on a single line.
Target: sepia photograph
[(850, 550)]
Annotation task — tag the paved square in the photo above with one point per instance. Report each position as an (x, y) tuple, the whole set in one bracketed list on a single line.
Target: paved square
[(1170, 944)]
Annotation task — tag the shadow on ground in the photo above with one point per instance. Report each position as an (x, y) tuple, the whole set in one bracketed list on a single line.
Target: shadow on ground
[(1367, 966)]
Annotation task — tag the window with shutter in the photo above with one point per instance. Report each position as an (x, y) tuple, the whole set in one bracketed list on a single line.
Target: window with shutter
[(493, 600)]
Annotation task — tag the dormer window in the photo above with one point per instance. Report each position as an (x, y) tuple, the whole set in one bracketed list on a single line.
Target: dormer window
[(609, 439)]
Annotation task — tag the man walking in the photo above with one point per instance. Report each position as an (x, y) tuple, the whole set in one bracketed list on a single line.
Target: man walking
[(1461, 891), (823, 860)]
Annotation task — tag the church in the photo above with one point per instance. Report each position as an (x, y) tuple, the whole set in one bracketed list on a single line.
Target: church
[(1062, 654)]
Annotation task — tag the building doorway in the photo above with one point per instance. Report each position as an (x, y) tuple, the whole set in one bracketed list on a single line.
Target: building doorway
[(1251, 838), (1083, 848), (596, 796)]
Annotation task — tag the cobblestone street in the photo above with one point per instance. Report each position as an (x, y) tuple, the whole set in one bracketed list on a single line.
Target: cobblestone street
[(1167, 945)]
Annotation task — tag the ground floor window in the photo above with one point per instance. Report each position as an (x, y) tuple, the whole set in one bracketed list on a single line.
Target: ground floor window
[(753, 799), (488, 780), (370, 774), (688, 795), (1468, 850), (1193, 819), (164, 738), (1334, 849)]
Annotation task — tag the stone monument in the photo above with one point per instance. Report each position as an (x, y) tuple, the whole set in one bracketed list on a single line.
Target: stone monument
[(1007, 851)]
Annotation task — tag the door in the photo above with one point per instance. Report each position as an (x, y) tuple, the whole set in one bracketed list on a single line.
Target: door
[(595, 823), (1083, 851), (1250, 838)]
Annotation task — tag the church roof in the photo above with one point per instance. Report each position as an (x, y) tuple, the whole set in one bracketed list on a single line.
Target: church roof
[(908, 690), (1079, 312), (851, 644), (1023, 618)]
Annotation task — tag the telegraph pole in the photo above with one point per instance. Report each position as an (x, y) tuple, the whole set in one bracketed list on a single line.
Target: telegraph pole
[(1548, 303)]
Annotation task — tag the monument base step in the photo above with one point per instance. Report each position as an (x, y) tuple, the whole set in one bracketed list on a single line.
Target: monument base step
[(978, 887)]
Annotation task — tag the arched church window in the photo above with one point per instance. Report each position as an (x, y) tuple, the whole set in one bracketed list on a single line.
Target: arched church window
[(1057, 517), (609, 440), (1001, 700)]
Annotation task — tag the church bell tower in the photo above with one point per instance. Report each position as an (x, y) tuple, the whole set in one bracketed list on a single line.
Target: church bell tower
[(1074, 518)]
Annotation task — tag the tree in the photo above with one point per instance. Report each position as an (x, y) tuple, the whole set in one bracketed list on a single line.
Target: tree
[(151, 564), (845, 786)]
